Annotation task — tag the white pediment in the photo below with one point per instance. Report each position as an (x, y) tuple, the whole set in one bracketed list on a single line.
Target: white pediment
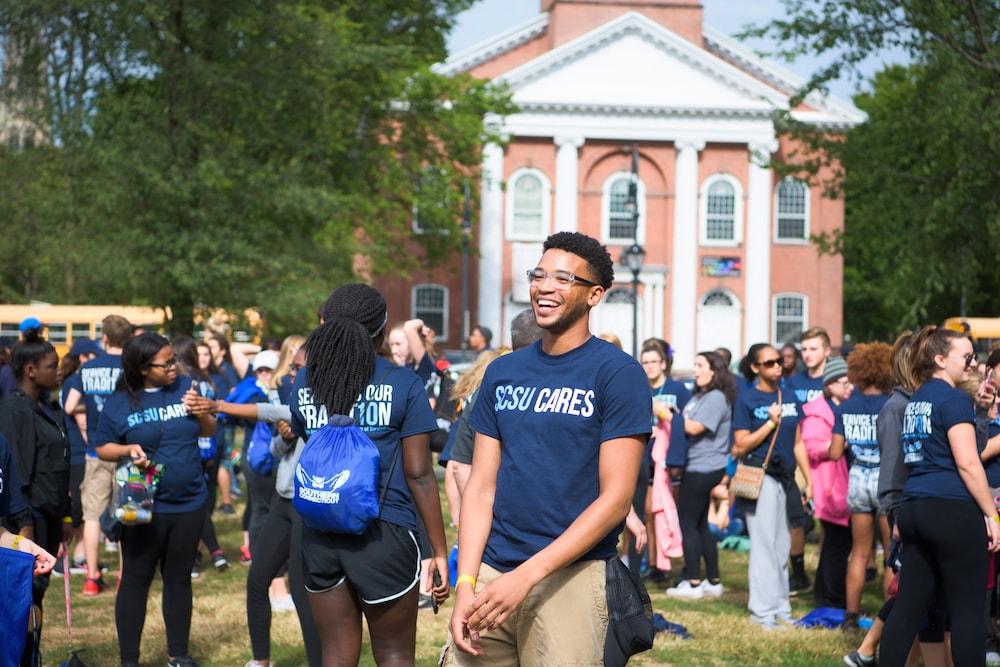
[(636, 63)]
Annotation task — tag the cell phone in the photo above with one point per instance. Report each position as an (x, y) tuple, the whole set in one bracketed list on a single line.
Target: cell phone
[(986, 381), (435, 582)]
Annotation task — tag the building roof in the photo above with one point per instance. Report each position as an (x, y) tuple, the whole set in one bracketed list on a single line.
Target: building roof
[(634, 65)]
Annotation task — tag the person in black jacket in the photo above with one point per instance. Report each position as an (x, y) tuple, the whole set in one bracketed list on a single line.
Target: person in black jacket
[(40, 448)]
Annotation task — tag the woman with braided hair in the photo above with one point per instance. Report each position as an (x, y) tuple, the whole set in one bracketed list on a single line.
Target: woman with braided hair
[(375, 573)]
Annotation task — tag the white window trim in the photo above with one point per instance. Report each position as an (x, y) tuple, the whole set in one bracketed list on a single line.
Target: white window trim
[(728, 292), (808, 214), (442, 336), (605, 210), (546, 205), (737, 212), (774, 313)]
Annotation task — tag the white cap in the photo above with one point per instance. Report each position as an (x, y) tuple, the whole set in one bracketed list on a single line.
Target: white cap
[(265, 359)]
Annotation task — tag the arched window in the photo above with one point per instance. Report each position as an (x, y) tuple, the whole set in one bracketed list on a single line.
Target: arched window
[(790, 317), (617, 219), (721, 211), (620, 296), (529, 205), (717, 298), (429, 303), (791, 211)]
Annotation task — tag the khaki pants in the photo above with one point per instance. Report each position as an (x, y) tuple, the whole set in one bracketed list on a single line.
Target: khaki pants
[(563, 621)]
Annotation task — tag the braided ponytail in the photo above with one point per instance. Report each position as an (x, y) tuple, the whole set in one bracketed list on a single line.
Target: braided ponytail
[(340, 361)]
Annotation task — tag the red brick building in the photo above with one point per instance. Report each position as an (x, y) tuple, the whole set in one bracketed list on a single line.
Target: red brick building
[(728, 258)]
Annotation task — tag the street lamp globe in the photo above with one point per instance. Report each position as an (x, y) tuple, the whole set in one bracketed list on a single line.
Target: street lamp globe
[(633, 257)]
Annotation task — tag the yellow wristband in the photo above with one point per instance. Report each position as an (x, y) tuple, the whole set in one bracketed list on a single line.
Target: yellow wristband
[(466, 579), (771, 424), (17, 540), (996, 518)]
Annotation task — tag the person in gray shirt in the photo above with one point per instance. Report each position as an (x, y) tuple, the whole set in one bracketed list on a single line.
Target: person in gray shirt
[(707, 424)]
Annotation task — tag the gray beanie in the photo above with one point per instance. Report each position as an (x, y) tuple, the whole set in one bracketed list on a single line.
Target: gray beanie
[(835, 369)]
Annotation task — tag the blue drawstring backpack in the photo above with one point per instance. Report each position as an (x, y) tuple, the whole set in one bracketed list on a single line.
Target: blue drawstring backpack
[(259, 455), (246, 392), (336, 479), (16, 570)]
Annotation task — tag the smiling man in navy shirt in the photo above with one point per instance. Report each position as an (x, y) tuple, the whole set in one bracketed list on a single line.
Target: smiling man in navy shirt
[(561, 428)]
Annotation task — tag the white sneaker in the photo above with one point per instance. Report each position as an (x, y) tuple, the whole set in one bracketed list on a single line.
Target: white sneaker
[(254, 663), (686, 591), (282, 604), (711, 590), (993, 658)]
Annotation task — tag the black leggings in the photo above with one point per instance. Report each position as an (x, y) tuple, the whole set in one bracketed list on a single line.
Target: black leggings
[(208, 534), (944, 543), (169, 541), (281, 544), (260, 490), (831, 573), (692, 510)]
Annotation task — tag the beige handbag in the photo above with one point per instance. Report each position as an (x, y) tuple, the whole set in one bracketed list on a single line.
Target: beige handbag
[(748, 479)]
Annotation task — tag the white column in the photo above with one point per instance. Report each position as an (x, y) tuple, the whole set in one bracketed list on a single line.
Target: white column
[(567, 178), (684, 283), (491, 241), (757, 298)]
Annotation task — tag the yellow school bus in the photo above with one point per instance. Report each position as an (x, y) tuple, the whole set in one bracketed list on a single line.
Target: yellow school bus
[(985, 331), (64, 324)]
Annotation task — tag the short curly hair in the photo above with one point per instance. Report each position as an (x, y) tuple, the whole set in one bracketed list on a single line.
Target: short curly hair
[(589, 249), (870, 365)]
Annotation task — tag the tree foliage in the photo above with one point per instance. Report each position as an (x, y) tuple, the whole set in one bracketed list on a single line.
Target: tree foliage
[(920, 178), (229, 152)]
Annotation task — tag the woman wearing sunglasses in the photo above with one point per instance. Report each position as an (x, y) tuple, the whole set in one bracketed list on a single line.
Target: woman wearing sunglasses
[(147, 420), (761, 410), (947, 519)]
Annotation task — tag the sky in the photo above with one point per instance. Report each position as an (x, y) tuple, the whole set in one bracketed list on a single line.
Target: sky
[(488, 17)]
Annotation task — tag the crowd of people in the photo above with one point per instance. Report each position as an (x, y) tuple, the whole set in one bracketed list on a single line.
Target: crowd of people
[(891, 451)]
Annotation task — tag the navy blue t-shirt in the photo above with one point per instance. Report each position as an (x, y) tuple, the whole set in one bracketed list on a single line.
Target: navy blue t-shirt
[(992, 466), (10, 485), (98, 377), (932, 411), (393, 406), (673, 393), (168, 435), (77, 446), (806, 388), (551, 414), (750, 413), (855, 421)]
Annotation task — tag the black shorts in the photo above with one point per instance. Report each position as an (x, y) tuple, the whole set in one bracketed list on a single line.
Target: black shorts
[(382, 564), (793, 502), (75, 501)]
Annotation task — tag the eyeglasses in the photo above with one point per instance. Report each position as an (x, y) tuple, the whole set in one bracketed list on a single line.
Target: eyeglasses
[(769, 363), (563, 280), (169, 363), (295, 368)]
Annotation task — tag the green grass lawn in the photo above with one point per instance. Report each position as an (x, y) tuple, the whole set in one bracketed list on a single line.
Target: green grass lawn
[(722, 635)]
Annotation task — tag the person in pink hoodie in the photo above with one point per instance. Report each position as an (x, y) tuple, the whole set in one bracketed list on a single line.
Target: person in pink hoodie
[(830, 481)]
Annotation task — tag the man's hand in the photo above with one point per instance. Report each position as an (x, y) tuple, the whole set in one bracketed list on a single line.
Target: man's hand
[(497, 601), (465, 639), (285, 430)]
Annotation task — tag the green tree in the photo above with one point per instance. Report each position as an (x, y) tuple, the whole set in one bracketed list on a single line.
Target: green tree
[(241, 152), (921, 184)]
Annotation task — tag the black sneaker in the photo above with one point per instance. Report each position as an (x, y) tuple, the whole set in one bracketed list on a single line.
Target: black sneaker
[(182, 661), (798, 585), (227, 509), (870, 574), (424, 602), (855, 659)]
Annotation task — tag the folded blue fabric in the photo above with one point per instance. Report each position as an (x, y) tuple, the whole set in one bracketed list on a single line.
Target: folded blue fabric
[(822, 617), (15, 604), (677, 454), (661, 624)]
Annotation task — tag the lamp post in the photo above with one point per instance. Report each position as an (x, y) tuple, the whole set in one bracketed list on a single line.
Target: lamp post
[(466, 239), (632, 257)]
